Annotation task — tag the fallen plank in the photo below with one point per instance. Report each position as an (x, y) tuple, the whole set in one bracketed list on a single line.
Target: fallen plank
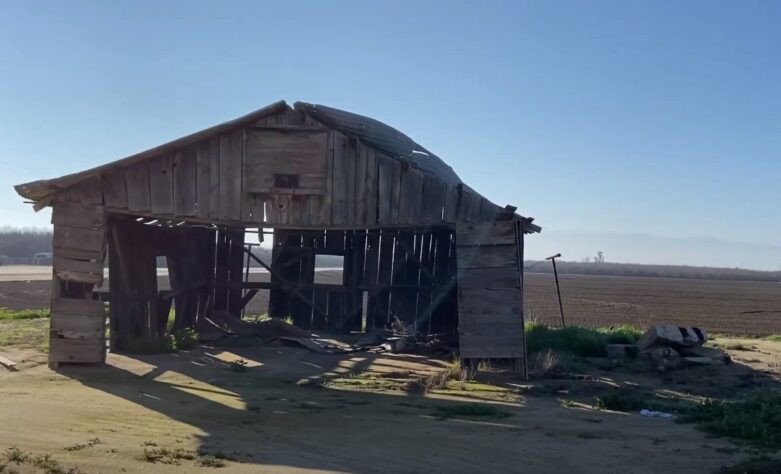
[(8, 363)]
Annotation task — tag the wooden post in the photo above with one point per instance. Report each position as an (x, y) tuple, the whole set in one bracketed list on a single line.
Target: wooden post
[(553, 258)]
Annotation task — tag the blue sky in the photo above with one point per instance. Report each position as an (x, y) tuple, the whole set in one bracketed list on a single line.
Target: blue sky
[(620, 117)]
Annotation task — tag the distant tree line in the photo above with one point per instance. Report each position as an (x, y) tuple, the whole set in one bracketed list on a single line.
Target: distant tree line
[(25, 242), (661, 271)]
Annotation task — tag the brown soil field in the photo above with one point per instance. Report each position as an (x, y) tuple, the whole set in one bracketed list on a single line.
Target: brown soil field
[(728, 307)]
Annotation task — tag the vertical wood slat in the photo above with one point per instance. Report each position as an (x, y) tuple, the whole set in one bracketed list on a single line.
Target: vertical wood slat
[(185, 180), (161, 185), (137, 181), (340, 205), (230, 169), (384, 189), (208, 177), (115, 189), (320, 210), (361, 206), (411, 196)]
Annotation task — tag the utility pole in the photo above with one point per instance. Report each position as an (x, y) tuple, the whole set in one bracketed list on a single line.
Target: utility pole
[(553, 258)]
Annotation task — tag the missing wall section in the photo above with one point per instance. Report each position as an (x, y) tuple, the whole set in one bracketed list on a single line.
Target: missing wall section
[(329, 269)]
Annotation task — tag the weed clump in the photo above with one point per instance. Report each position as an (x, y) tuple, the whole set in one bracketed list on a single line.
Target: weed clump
[(239, 366), (756, 419), (185, 339), (621, 401), (579, 341)]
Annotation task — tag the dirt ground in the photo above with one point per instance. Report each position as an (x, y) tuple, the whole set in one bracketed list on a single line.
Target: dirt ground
[(729, 307), (293, 410)]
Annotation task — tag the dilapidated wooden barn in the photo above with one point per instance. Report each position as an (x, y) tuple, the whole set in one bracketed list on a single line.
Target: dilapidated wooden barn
[(418, 245)]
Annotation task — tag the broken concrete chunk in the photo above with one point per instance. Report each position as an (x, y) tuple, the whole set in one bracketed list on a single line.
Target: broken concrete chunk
[(667, 335), (661, 359)]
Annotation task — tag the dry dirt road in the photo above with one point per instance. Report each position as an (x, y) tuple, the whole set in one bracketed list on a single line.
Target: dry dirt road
[(102, 419)]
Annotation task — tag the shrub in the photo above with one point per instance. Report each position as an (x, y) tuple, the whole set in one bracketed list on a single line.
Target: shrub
[(621, 401), (186, 338), (756, 419), (580, 341)]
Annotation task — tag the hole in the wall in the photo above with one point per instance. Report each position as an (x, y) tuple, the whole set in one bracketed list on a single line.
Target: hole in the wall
[(329, 269)]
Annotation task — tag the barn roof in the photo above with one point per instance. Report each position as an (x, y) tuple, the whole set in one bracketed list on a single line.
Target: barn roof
[(381, 137), (371, 132)]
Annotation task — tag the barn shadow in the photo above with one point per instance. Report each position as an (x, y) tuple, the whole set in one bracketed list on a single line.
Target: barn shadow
[(278, 413)]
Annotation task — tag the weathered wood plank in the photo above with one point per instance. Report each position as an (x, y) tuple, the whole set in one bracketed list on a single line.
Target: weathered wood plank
[(78, 215), (494, 256), (486, 233), (433, 200), (137, 181), (451, 204), (185, 181), (490, 323), (84, 271), (78, 307), (492, 347), (161, 184), (90, 191), (321, 214), (78, 238), (475, 278), (349, 183), (78, 327), (396, 191), (231, 156), (361, 204), (339, 189), (86, 351), (295, 151), (208, 177), (115, 189), (370, 199), (385, 189)]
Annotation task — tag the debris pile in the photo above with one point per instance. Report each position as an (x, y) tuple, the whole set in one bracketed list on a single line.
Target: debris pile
[(666, 347)]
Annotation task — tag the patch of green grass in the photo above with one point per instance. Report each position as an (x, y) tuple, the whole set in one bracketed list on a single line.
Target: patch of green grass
[(167, 456), (774, 338), (621, 401), (472, 410), (756, 419), (11, 314), (186, 338), (25, 332), (210, 461), (580, 341)]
